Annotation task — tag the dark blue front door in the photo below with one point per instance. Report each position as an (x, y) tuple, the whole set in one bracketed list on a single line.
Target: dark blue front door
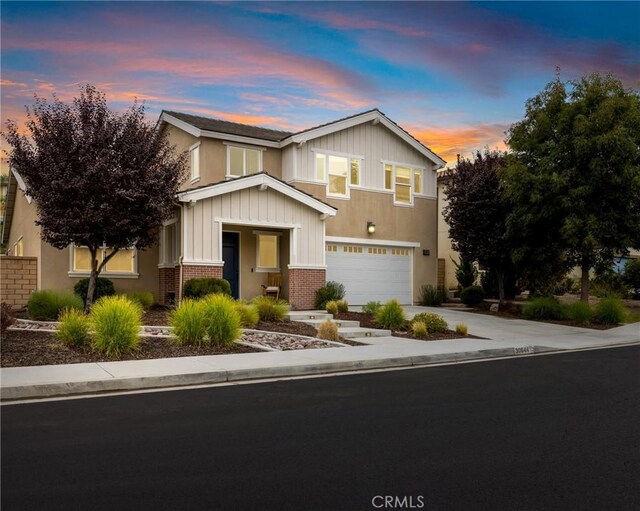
[(231, 270)]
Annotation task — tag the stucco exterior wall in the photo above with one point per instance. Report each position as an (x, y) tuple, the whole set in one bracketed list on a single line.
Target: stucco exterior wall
[(55, 272), (396, 223), (23, 225), (445, 250)]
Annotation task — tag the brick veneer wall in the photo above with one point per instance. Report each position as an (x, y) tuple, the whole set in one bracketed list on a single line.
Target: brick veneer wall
[(18, 279), (168, 283), (197, 272), (303, 284)]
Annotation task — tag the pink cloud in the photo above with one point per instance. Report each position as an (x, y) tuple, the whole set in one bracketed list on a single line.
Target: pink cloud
[(354, 22)]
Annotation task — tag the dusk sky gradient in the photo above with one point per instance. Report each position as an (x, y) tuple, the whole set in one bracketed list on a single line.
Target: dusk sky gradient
[(454, 74)]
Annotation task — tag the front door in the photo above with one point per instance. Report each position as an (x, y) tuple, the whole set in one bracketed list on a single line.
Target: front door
[(230, 256)]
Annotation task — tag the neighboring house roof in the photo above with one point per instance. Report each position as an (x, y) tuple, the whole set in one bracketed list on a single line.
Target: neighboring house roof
[(261, 179), (215, 128)]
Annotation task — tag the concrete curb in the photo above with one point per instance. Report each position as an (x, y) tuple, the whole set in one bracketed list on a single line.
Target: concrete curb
[(45, 390)]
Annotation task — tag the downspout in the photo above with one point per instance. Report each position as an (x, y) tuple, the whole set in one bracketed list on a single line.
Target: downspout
[(181, 258)]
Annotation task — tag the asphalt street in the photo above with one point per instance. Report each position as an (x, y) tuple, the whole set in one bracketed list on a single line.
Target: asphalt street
[(550, 432)]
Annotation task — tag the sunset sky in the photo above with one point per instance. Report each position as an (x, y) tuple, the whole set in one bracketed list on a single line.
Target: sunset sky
[(455, 75)]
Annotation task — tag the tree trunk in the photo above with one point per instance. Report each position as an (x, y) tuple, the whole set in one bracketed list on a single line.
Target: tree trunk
[(500, 277), (93, 280), (584, 283)]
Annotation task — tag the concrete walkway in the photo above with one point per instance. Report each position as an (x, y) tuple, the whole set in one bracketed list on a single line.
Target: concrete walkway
[(505, 337)]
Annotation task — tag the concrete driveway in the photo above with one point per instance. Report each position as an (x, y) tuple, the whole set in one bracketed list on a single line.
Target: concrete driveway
[(531, 332)]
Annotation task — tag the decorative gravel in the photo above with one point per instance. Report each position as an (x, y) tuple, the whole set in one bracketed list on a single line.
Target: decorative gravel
[(269, 341), (284, 342)]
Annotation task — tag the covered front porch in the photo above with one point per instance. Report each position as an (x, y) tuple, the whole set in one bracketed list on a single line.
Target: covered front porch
[(245, 230)]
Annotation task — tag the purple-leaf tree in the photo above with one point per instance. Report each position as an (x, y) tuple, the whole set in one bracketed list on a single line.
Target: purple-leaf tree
[(477, 213), (98, 178)]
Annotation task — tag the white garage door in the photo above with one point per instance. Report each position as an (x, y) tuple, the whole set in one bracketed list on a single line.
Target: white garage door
[(371, 273)]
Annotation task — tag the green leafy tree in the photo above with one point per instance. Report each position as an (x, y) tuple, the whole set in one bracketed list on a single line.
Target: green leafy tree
[(97, 177), (477, 212), (574, 174)]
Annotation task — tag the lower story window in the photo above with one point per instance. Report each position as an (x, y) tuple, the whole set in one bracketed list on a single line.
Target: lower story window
[(122, 262), (268, 252)]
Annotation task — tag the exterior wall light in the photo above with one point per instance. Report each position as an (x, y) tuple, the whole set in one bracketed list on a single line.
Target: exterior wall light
[(371, 227)]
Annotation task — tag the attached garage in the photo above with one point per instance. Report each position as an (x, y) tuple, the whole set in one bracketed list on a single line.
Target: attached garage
[(371, 272)]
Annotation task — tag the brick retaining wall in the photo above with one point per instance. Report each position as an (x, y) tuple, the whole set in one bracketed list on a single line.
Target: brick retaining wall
[(18, 279)]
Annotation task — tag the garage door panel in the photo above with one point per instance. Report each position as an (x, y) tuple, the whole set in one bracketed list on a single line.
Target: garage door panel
[(376, 276)]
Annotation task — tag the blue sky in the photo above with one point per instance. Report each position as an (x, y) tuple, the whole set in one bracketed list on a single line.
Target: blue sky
[(454, 74)]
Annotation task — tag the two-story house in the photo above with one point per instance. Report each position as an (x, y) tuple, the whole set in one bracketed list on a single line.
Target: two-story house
[(353, 201)]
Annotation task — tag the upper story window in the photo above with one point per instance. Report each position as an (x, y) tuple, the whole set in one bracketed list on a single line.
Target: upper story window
[(339, 172), (194, 153), (405, 182), (242, 161), (123, 263)]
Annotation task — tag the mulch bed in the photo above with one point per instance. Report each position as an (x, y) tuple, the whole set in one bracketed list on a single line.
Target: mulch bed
[(34, 348), (510, 311)]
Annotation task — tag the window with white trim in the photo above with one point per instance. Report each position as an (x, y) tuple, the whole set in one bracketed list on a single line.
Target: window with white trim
[(243, 161), (194, 153), (404, 180), (339, 172), (268, 254), (124, 262)]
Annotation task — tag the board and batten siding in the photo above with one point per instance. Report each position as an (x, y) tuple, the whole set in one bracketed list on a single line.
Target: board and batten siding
[(374, 143), (263, 209)]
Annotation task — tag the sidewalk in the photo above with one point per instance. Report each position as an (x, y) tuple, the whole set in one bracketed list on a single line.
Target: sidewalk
[(505, 337)]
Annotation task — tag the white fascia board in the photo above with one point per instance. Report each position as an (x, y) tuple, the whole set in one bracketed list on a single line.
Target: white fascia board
[(413, 142), (239, 138), (330, 128), (368, 241), (197, 132), (21, 185), (259, 179), (185, 126)]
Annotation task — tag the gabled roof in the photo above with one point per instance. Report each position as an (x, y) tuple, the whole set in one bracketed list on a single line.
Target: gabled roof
[(231, 128), (261, 179), (215, 128)]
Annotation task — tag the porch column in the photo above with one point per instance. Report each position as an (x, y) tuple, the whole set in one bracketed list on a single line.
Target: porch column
[(303, 284)]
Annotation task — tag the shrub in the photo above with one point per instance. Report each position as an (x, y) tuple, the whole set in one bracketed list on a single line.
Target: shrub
[(270, 309), (144, 298), (330, 291), (199, 288), (472, 295), (431, 296), (609, 284), (578, 311), (343, 306), (391, 315), (371, 308), (329, 331), (632, 276), (433, 322), (222, 319), (73, 328), (545, 307), (466, 272), (7, 317), (332, 307), (189, 322), (419, 329), (115, 321), (461, 329), (104, 287), (609, 311), (46, 305), (249, 316)]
